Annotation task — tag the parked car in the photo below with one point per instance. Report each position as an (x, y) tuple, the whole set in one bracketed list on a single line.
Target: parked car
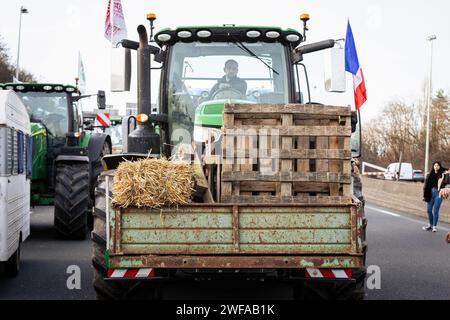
[(418, 176)]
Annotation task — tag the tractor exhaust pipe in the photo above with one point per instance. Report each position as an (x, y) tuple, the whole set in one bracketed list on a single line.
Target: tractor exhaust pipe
[(143, 73), (144, 139)]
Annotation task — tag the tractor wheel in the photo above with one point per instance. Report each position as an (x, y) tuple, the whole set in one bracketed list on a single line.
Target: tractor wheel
[(72, 200), (107, 290), (97, 168)]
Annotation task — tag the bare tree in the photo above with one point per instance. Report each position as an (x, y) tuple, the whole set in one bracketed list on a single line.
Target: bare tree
[(8, 70), (401, 129)]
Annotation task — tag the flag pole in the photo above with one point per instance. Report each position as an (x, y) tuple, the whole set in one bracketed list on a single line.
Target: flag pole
[(111, 18)]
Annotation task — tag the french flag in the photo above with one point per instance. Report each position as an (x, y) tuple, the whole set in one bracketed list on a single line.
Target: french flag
[(352, 66)]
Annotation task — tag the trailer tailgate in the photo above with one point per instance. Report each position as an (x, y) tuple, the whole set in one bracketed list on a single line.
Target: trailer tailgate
[(227, 231)]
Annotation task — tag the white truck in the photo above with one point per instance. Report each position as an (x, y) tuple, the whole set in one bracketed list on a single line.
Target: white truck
[(393, 170), (15, 174)]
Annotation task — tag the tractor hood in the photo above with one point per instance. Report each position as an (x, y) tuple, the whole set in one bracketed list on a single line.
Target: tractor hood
[(209, 113)]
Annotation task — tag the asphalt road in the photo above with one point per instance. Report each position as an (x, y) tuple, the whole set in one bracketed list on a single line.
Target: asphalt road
[(414, 265)]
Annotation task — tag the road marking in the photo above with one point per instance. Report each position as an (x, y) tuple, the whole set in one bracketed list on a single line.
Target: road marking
[(385, 212), (403, 217)]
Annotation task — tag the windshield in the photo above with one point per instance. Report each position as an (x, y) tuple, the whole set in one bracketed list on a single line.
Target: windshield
[(204, 72), (50, 108), (115, 132)]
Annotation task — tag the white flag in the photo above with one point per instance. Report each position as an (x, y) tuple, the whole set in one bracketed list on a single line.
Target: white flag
[(81, 75), (115, 24)]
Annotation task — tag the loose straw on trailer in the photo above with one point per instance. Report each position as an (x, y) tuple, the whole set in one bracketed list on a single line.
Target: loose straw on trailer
[(153, 183)]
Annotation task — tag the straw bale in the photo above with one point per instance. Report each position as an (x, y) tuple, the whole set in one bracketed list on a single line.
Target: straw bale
[(153, 183)]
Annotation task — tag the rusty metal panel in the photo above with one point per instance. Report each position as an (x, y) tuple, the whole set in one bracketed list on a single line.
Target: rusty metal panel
[(179, 248), (360, 228), (293, 220), (296, 209), (176, 220), (232, 262), (294, 248), (280, 236), (236, 234), (198, 249), (162, 236), (235, 229), (354, 219), (191, 208)]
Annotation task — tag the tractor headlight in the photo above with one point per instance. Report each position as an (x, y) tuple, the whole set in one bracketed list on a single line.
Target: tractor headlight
[(203, 134)]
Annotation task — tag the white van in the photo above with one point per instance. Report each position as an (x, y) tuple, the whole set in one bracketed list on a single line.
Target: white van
[(393, 169), (15, 174)]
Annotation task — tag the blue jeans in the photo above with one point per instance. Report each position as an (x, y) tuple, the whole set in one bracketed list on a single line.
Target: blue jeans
[(435, 202)]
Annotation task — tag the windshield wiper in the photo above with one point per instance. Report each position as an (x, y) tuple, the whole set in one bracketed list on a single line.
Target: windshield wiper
[(243, 47), (36, 120)]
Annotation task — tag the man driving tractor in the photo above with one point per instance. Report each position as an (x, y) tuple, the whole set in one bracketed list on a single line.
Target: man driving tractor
[(230, 80)]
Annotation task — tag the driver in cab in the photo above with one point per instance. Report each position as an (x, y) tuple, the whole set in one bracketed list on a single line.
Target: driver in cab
[(230, 80)]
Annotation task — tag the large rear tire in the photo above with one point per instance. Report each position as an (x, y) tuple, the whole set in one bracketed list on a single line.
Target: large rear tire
[(97, 167), (107, 290), (72, 200)]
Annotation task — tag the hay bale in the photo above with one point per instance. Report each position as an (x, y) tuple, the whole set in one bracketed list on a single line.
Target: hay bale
[(153, 183)]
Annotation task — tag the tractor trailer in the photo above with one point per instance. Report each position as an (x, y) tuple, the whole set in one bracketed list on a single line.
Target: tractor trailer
[(304, 223)]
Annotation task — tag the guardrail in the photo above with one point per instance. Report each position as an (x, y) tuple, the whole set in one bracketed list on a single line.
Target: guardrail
[(402, 196)]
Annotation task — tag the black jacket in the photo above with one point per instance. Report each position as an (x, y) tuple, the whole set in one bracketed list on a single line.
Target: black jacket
[(235, 83), (427, 187)]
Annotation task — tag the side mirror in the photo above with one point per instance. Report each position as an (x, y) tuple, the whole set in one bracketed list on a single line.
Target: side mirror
[(120, 69), (335, 70), (101, 100)]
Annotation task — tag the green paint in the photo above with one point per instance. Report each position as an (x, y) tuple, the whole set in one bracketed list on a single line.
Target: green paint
[(209, 113), (84, 143), (39, 168), (107, 258)]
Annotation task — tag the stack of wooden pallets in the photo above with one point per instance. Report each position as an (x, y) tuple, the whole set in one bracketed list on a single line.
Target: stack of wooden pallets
[(286, 154)]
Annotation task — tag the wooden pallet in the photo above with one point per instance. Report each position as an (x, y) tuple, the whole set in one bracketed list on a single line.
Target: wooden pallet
[(286, 154)]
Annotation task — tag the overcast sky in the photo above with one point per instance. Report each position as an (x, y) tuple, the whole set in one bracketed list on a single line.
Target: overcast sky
[(389, 35)]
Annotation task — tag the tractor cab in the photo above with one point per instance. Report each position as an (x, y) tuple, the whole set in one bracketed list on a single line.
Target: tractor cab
[(207, 67), (54, 121), (50, 107)]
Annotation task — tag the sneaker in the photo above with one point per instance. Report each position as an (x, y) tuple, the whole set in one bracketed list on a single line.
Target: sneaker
[(434, 229), (429, 228)]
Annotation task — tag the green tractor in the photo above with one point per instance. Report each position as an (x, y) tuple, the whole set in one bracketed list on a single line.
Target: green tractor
[(66, 159), (135, 253)]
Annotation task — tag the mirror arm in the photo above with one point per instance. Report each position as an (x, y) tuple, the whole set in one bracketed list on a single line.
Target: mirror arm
[(307, 82), (78, 98)]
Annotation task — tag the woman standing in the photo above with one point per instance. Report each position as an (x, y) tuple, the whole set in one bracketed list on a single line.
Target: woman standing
[(433, 183)]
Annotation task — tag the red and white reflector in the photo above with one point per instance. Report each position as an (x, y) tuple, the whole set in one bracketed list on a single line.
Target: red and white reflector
[(102, 120), (131, 273), (373, 174), (328, 273)]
